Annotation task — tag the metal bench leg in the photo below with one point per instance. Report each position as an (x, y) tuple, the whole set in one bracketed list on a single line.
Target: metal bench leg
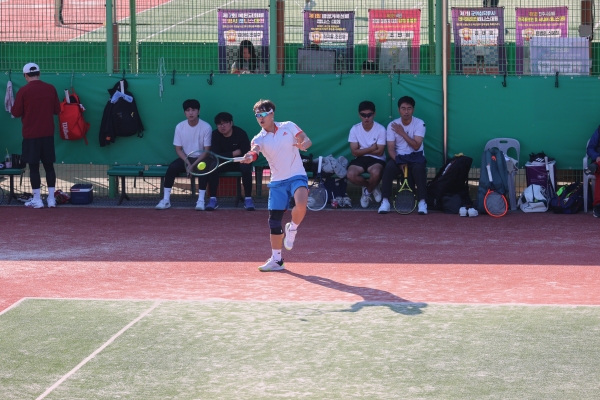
[(123, 193), (238, 188), (12, 188)]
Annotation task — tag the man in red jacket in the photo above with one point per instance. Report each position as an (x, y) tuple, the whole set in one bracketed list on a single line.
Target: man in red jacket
[(36, 104)]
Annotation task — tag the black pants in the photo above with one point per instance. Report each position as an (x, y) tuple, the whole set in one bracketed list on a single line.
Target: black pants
[(417, 176), (36, 179)]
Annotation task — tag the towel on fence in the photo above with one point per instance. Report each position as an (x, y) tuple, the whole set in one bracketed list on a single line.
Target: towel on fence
[(9, 98)]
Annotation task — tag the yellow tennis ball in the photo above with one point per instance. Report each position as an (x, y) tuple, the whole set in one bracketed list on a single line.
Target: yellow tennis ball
[(201, 165)]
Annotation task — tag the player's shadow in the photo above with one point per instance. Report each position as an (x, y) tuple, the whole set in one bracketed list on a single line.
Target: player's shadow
[(372, 297)]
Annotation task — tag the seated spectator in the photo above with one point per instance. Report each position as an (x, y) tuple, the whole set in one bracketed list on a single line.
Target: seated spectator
[(229, 141), (405, 146), (247, 62), (191, 137), (367, 143), (593, 152)]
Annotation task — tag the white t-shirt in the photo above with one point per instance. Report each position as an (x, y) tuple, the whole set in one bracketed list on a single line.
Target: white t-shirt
[(366, 139), (192, 138), (279, 150), (415, 128)]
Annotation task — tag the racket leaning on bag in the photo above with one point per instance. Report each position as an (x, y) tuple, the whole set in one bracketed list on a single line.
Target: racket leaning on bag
[(405, 201), (212, 162), (495, 204), (317, 194)]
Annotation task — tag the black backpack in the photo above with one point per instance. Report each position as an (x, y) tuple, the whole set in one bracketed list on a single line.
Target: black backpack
[(121, 118), (451, 179), (569, 199)]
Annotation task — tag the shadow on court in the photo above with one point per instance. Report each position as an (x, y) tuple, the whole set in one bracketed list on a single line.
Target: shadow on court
[(372, 297)]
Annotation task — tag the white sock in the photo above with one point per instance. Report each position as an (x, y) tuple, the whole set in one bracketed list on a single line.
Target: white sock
[(51, 192), (167, 195), (201, 194), (293, 226), (36, 194), (276, 254)]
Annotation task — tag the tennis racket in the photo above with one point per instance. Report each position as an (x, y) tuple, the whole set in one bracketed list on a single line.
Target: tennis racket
[(405, 201), (495, 204), (550, 184), (210, 162), (317, 194)]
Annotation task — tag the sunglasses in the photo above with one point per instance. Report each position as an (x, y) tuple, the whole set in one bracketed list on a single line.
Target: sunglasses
[(263, 114), (366, 115)]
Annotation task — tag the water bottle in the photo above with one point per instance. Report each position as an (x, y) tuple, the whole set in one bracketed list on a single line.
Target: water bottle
[(7, 161)]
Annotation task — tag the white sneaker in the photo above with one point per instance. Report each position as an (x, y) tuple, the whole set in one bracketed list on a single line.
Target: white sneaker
[(200, 205), (462, 212), (472, 212), (33, 203), (347, 202), (384, 208), (377, 194), (272, 265), (365, 198), (163, 205), (290, 236), (422, 208), (51, 202)]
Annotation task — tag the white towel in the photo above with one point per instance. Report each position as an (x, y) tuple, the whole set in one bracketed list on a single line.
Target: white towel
[(9, 98)]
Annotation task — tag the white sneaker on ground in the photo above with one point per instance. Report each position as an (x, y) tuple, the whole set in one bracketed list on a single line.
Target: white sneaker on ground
[(272, 265), (163, 205), (377, 194), (462, 212), (365, 198), (290, 236), (200, 205), (347, 202), (422, 208), (384, 208), (51, 202), (33, 203), (472, 212)]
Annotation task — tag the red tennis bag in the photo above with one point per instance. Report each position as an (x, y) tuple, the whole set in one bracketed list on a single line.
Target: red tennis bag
[(72, 124)]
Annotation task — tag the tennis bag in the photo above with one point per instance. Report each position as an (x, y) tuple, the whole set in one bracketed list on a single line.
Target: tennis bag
[(70, 118), (534, 199), (451, 180), (499, 176), (121, 116), (569, 199)]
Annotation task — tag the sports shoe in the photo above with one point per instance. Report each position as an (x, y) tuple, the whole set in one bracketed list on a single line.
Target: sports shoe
[(377, 194), (596, 211), (33, 203), (422, 208), (347, 202), (384, 208), (212, 204), (200, 205), (249, 204), (290, 236), (163, 205), (335, 203), (51, 202), (462, 212), (591, 169), (365, 198), (272, 265), (472, 212)]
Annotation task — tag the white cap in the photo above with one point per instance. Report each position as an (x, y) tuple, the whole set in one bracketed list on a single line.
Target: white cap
[(31, 67)]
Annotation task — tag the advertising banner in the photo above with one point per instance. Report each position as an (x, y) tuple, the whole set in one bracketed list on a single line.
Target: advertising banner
[(235, 29), (326, 30), (479, 40), (394, 40), (541, 22), (567, 56)]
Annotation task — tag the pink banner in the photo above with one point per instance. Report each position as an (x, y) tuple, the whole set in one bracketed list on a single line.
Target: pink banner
[(394, 39)]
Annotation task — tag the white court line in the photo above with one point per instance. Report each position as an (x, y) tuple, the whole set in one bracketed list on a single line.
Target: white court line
[(91, 356), (189, 19), (14, 305)]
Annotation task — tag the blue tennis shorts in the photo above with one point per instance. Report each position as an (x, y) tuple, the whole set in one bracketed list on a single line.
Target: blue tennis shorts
[(280, 192)]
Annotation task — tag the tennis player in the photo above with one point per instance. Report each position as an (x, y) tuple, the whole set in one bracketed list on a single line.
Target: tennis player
[(281, 143)]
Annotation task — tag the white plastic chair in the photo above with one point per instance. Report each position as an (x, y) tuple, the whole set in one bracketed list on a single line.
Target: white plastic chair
[(587, 178), (505, 144)]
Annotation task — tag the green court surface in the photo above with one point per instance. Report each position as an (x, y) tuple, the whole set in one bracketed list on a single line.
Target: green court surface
[(262, 350)]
